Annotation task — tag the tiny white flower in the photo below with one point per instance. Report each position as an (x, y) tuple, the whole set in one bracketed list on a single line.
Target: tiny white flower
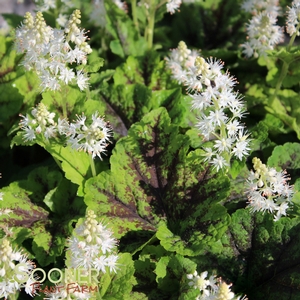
[(111, 263), (173, 5), (293, 14), (29, 134), (82, 80), (91, 138), (48, 52), (66, 75), (264, 192), (219, 162), (100, 263), (263, 33)]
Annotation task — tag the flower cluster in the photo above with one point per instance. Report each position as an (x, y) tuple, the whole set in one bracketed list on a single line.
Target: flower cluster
[(40, 121), (220, 108), (93, 246), (48, 51), (15, 270), (92, 138), (293, 17), (255, 6), (45, 5), (268, 190), (211, 288), (263, 33), (181, 60)]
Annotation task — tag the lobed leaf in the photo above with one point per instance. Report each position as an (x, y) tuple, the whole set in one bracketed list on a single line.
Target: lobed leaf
[(153, 181), (269, 254), (122, 282), (70, 97), (75, 164), (286, 157)]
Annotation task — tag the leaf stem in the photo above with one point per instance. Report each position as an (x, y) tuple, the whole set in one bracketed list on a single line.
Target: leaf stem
[(134, 15), (150, 27), (92, 163), (12, 297), (47, 147), (284, 69), (64, 102)]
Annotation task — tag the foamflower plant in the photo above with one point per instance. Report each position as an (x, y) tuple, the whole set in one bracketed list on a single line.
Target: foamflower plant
[(211, 288), (41, 121), (15, 270), (219, 108), (263, 33), (268, 190), (92, 246), (82, 134), (50, 51)]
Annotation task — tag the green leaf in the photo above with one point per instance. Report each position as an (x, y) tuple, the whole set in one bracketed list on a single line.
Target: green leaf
[(170, 270), (94, 65), (13, 20), (10, 101), (126, 38), (129, 72), (131, 102), (116, 48), (101, 76), (145, 266), (153, 180), (236, 167), (145, 269), (28, 86), (123, 281), (174, 102), (266, 255), (161, 268), (75, 164), (171, 274), (172, 242), (72, 98), (256, 94), (270, 125), (286, 157), (154, 71), (148, 69), (289, 99), (41, 245), (29, 200), (24, 212), (91, 106), (284, 55), (195, 138), (8, 60)]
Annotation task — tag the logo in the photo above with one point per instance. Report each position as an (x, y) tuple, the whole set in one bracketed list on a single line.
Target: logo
[(70, 281)]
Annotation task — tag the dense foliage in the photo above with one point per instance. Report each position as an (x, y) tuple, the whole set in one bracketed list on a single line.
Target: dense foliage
[(164, 172)]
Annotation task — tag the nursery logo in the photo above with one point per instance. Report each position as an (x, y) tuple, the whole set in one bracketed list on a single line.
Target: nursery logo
[(69, 288), (68, 282)]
